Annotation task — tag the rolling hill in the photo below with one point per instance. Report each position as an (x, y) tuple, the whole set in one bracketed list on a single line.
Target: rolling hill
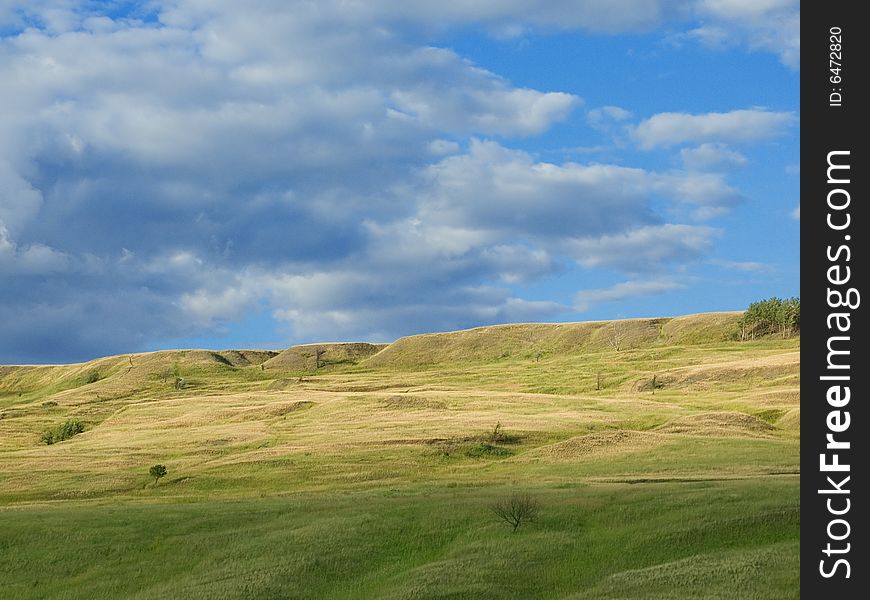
[(664, 455)]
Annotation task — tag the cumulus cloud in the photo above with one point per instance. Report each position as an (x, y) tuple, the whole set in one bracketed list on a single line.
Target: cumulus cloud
[(494, 188), (643, 249), (493, 111), (465, 230), (167, 166), (796, 213), (584, 300), (346, 304), (738, 126), (771, 25)]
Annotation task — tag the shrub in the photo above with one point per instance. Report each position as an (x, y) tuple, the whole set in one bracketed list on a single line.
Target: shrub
[(773, 315), (496, 434), (92, 377), (157, 471), (516, 510), (62, 432)]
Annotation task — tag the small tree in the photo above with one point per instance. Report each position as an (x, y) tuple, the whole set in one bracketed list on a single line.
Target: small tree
[(516, 510), (157, 471), (496, 434)]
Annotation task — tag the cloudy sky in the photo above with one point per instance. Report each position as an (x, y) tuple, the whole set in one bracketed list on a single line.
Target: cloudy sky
[(216, 173)]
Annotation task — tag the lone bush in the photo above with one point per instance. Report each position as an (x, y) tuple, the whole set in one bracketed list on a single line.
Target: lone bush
[(157, 471), (516, 510), (62, 432), (496, 434)]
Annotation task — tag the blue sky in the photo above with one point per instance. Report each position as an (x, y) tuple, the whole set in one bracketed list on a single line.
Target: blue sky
[(210, 173)]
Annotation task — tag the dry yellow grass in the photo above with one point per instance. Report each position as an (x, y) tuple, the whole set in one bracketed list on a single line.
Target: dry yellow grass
[(719, 424), (244, 410), (791, 420), (542, 339), (600, 445), (784, 366)]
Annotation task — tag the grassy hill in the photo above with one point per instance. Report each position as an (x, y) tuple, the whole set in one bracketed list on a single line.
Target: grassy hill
[(668, 467), (536, 340), (310, 357)]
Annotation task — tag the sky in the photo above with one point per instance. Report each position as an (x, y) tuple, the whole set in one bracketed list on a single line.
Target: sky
[(223, 174)]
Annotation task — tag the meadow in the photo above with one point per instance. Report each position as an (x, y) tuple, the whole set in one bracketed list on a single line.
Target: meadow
[(663, 454)]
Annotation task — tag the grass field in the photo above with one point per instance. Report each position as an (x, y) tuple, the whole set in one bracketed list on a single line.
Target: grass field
[(668, 468)]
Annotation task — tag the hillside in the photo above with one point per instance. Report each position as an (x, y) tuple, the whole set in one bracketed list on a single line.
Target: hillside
[(128, 371), (306, 357), (670, 463), (531, 340)]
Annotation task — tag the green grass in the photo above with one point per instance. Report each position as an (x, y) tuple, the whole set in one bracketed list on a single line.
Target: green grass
[(372, 478), (419, 542)]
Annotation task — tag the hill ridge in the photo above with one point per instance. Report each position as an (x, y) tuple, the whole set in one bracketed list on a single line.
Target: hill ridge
[(693, 328), (535, 340)]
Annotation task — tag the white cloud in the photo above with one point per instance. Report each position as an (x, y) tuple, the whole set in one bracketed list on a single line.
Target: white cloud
[(491, 111), (707, 193), (584, 300), (162, 177), (497, 189), (605, 117), (710, 156), (772, 25), (796, 213), (364, 304), (490, 214), (738, 126), (33, 259), (643, 249)]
